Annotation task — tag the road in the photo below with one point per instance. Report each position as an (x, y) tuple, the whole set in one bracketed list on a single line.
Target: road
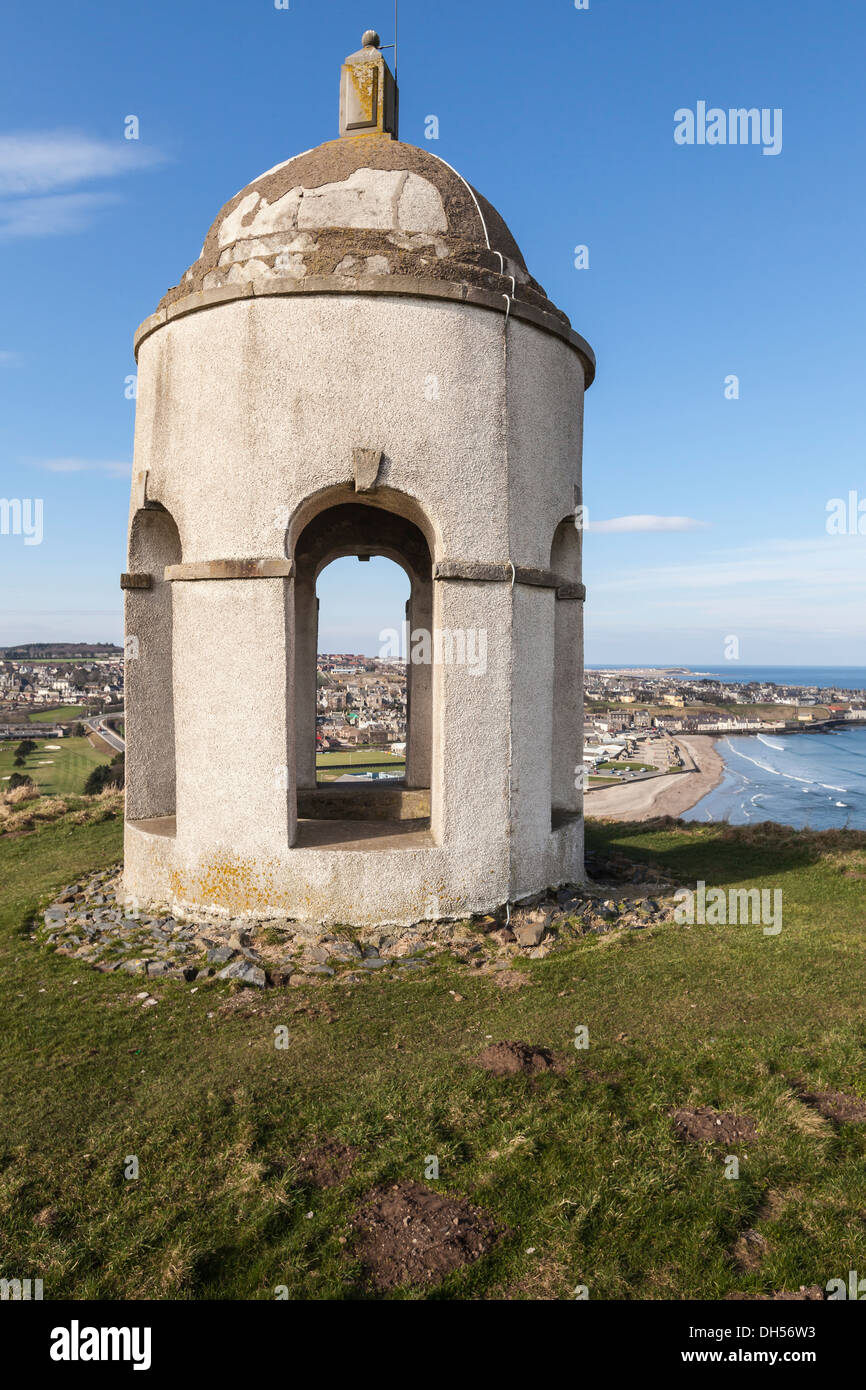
[(98, 726)]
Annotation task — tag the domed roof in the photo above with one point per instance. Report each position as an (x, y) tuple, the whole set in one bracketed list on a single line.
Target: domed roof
[(358, 207), (367, 213)]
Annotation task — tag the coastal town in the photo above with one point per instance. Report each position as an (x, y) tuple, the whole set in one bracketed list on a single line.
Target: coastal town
[(645, 727), (629, 713), (361, 700), (638, 724)]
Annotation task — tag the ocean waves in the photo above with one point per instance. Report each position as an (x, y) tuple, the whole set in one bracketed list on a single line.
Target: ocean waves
[(805, 780)]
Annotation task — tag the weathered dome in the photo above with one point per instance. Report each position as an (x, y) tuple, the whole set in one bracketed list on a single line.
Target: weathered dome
[(365, 214), (362, 207)]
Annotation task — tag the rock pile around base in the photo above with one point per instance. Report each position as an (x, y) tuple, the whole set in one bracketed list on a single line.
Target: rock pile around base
[(89, 922)]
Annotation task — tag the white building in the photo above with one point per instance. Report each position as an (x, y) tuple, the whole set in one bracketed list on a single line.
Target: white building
[(361, 351)]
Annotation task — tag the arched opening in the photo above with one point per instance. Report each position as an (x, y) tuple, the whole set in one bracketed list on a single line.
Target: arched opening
[(566, 750), (154, 543), (370, 807), (361, 705)]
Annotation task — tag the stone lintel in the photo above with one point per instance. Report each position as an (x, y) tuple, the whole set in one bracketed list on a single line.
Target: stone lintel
[(136, 581), (478, 572), (230, 569)]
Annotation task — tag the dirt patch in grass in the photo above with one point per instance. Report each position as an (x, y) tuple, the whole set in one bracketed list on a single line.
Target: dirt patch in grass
[(511, 1058), (835, 1105), (749, 1251), (47, 1218), (509, 979), (547, 1280), (246, 1001), (328, 1164), (707, 1126), (407, 1234), (776, 1201), (800, 1118)]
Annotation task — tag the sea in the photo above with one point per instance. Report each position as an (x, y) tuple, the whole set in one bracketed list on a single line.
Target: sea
[(807, 780), (837, 677), (810, 781)]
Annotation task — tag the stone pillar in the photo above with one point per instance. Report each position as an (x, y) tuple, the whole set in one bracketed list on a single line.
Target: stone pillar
[(419, 685), (306, 607), (471, 733), (566, 750), (532, 667), (235, 763), (149, 678), (368, 93), (566, 753)]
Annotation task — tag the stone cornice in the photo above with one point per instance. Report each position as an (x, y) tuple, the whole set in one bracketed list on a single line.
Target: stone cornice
[(478, 572), (460, 293), (461, 571)]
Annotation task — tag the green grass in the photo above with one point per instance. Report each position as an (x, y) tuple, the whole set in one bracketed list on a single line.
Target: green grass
[(582, 1168), (65, 769), (55, 716), (629, 767), (362, 760), (369, 757)]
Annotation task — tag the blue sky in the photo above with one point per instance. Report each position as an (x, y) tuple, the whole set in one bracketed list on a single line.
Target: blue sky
[(703, 262)]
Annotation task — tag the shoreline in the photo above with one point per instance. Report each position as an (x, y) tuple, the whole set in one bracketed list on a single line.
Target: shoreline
[(668, 795)]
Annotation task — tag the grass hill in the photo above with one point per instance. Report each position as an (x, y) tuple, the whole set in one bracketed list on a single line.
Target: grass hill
[(581, 1169)]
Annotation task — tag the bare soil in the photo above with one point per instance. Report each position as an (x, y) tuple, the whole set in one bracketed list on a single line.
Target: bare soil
[(408, 1234), (511, 1058), (835, 1105), (707, 1126), (328, 1164)]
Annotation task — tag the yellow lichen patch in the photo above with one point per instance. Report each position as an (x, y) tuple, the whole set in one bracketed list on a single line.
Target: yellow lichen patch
[(236, 885), (364, 78), (249, 886)]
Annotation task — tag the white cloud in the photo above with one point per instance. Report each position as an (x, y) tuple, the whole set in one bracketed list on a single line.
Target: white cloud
[(52, 216), (799, 588), (40, 173), (647, 523), (38, 162), (113, 468)]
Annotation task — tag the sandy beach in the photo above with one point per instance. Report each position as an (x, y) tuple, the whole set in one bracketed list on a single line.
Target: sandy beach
[(669, 795)]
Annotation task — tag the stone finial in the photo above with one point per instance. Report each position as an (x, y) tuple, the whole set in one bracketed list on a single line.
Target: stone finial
[(368, 92)]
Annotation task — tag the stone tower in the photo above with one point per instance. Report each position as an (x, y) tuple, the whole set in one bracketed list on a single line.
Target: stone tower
[(358, 363)]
